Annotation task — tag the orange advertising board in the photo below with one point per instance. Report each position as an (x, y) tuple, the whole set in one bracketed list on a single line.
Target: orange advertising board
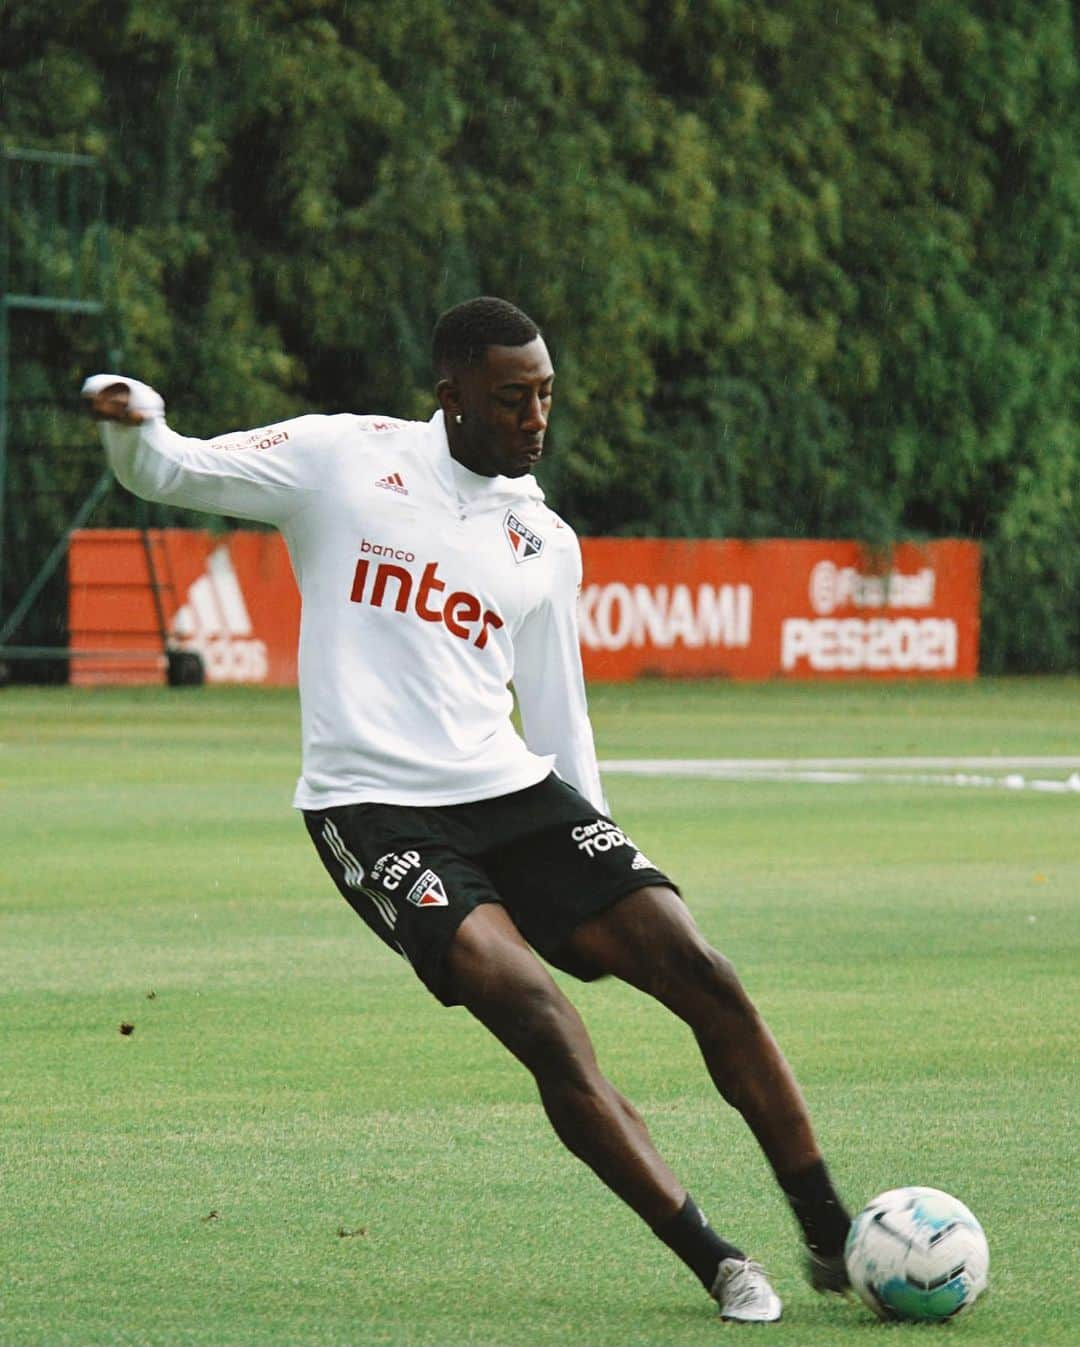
[(232, 599), (744, 610), (778, 608)]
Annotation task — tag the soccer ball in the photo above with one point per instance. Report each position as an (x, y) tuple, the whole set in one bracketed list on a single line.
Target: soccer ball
[(917, 1253)]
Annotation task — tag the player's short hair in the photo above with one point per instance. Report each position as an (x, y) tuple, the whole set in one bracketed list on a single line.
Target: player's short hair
[(464, 333)]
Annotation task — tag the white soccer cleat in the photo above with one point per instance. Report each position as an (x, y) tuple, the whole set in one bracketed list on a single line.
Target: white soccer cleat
[(743, 1293)]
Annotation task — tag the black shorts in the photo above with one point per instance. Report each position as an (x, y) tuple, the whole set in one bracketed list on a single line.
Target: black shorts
[(414, 873)]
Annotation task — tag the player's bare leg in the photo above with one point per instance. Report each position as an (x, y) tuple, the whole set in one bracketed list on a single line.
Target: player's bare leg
[(501, 981), (651, 941)]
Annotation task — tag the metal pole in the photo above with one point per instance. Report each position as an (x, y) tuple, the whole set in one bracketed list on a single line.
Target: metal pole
[(3, 432), (97, 493), (5, 281), (152, 573), (33, 177)]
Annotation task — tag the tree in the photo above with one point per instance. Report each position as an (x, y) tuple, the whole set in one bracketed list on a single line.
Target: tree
[(804, 272)]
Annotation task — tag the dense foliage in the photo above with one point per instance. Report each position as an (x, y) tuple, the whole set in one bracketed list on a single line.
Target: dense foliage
[(806, 270)]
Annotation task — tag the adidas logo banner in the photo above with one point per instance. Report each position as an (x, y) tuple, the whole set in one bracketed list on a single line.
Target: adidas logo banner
[(428, 891), (215, 623), (524, 543), (393, 483), (231, 599)]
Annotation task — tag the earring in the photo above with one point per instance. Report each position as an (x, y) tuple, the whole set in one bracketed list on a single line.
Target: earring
[(459, 418)]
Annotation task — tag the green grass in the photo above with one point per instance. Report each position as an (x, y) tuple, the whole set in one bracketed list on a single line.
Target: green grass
[(296, 1145)]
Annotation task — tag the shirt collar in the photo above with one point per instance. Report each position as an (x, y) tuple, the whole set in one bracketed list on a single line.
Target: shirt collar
[(474, 486)]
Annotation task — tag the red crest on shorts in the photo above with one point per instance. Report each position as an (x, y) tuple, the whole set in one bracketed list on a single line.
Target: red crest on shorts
[(428, 891)]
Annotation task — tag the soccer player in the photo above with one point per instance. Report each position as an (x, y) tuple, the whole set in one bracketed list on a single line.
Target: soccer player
[(433, 577)]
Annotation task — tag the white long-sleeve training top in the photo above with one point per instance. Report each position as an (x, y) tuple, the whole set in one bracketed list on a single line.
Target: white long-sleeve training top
[(426, 590)]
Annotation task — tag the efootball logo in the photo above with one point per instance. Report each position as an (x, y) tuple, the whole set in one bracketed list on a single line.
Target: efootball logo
[(524, 543)]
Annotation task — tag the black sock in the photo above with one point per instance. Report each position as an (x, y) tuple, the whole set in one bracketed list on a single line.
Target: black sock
[(689, 1235), (818, 1209)]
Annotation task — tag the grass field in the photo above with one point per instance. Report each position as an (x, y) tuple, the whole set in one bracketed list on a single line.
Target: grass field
[(295, 1145)]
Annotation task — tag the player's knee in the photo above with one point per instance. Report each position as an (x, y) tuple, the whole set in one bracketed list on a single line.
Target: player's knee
[(697, 973), (543, 1032)]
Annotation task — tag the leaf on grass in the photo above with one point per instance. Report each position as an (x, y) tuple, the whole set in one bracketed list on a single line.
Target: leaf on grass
[(127, 1028)]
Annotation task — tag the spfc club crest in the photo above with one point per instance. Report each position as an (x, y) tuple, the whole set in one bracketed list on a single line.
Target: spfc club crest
[(524, 543), (428, 891)]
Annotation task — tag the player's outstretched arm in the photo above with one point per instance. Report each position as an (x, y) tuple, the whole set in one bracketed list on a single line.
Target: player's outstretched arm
[(266, 474)]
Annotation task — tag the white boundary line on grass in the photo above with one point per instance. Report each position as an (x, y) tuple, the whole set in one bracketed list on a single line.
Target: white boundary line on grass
[(855, 771)]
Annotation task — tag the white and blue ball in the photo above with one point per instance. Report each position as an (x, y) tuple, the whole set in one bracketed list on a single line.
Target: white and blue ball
[(917, 1253)]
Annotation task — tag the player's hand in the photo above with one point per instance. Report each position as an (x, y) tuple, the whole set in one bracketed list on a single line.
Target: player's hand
[(124, 401), (112, 403)]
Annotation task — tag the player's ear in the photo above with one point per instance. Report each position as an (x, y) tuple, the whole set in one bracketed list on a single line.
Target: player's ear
[(449, 394)]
